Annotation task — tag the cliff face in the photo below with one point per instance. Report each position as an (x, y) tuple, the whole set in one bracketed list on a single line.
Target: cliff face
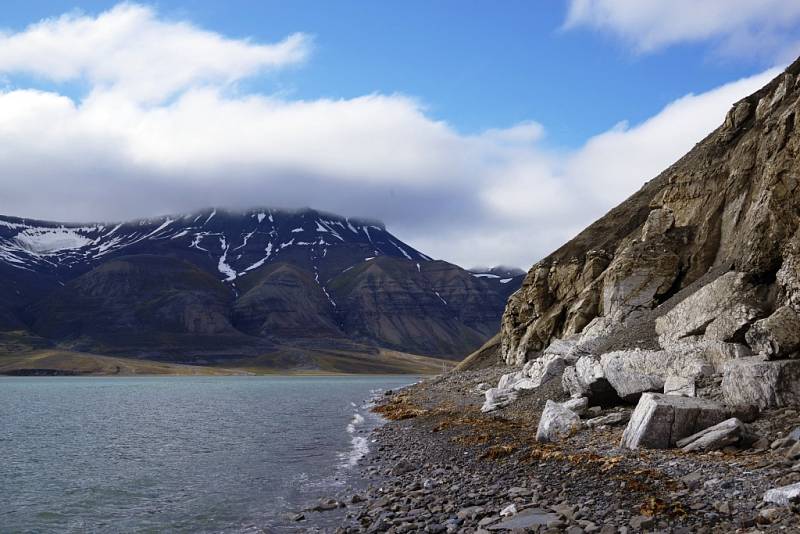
[(730, 204)]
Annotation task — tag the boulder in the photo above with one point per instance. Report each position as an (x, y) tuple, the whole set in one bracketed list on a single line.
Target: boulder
[(777, 336), (783, 496), (533, 374), (728, 432), (611, 419), (498, 398), (658, 222), (766, 384), (587, 379), (556, 422), (632, 372), (716, 353), (680, 385), (579, 405), (717, 311), (659, 421), (542, 370), (571, 384)]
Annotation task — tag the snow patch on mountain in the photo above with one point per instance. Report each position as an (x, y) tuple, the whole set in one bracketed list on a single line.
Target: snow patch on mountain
[(46, 241)]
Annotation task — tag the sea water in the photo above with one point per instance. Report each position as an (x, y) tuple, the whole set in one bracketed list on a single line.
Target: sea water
[(192, 454)]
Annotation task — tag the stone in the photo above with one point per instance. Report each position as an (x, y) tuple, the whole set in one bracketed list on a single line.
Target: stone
[(556, 422), (726, 433), (511, 509), (579, 405), (641, 522), (611, 419), (761, 444), (793, 453), (766, 384), (498, 398), (777, 336), (659, 421), (587, 379), (529, 518), (542, 370), (571, 384), (717, 311), (783, 496), (534, 374), (402, 467), (768, 515), (680, 385), (658, 222), (632, 372)]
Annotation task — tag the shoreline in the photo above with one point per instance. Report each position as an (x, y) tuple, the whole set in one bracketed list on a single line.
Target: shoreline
[(439, 465)]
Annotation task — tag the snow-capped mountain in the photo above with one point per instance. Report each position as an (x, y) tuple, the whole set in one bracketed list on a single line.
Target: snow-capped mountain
[(236, 243), (220, 284)]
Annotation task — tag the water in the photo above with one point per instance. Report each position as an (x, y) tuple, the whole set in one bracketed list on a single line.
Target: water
[(192, 454)]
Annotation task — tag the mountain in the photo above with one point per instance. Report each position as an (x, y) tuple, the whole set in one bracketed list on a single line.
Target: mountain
[(219, 286), (702, 264)]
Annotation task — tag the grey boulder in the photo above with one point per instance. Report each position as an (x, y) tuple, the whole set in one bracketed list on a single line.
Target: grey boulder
[(766, 384), (777, 336), (632, 372), (659, 421), (726, 433)]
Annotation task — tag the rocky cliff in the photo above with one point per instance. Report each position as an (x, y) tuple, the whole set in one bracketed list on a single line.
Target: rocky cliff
[(730, 205)]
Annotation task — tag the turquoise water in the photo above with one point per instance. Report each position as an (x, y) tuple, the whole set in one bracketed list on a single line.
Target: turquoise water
[(192, 454)]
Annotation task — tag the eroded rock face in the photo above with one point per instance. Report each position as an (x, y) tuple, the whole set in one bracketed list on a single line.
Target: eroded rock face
[(658, 222), (730, 203), (659, 421), (766, 384), (718, 311)]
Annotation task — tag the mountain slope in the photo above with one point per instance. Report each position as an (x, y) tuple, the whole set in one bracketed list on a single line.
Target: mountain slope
[(216, 286), (731, 203)]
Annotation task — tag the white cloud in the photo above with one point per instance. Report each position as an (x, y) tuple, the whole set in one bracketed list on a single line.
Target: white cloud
[(129, 49), (122, 151), (652, 24)]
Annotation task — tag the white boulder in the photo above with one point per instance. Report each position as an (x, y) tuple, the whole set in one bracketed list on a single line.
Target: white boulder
[(556, 422)]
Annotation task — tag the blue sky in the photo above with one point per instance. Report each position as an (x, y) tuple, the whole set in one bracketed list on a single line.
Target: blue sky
[(475, 64), (480, 131)]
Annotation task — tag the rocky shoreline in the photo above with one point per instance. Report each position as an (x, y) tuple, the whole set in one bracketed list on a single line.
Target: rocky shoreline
[(440, 465)]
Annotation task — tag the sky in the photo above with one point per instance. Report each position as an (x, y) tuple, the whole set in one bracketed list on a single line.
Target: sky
[(480, 132)]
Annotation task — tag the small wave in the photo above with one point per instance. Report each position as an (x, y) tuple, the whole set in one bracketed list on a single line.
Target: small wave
[(359, 450), (357, 420)]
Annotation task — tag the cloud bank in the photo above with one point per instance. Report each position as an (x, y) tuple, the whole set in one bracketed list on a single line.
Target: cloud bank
[(161, 128), (741, 27)]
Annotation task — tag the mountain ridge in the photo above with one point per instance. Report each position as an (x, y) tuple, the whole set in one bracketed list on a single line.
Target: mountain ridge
[(172, 287)]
